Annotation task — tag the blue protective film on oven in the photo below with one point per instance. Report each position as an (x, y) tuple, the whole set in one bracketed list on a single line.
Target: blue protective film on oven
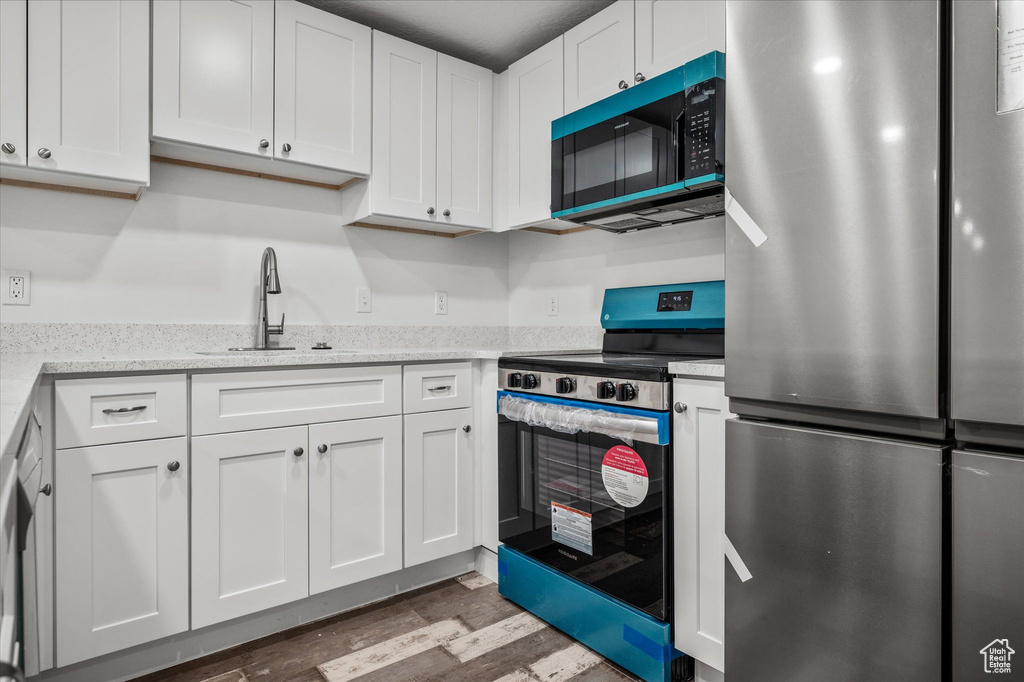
[(664, 425)]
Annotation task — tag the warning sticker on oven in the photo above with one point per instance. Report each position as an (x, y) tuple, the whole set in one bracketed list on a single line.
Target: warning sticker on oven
[(572, 528), (625, 475)]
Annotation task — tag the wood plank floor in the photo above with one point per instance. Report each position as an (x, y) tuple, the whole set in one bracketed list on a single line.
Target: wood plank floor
[(458, 630)]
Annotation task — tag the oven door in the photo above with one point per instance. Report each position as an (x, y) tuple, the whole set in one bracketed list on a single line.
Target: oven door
[(591, 505)]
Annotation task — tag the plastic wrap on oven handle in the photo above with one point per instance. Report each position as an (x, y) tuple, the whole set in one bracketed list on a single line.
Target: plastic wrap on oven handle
[(567, 419)]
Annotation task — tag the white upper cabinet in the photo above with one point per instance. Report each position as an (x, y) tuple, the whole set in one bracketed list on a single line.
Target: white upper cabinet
[(213, 73), (670, 33), (14, 82), (88, 87), (535, 95), (322, 89), (599, 56), (464, 104), (405, 128)]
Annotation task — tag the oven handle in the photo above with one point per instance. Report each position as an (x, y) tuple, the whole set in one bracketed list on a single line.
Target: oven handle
[(564, 417)]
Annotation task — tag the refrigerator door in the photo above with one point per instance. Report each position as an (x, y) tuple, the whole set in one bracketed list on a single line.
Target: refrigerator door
[(988, 562), (832, 129), (988, 229), (842, 536)]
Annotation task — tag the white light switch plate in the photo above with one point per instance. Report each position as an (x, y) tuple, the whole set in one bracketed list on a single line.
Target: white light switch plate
[(17, 287), (363, 300)]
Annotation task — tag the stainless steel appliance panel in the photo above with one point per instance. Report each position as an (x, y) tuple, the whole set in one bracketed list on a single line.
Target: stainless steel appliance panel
[(988, 560), (988, 230), (843, 537), (832, 123)]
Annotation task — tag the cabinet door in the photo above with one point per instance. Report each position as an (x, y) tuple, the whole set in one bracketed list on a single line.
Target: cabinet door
[(438, 485), (698, 451), (14, 82), (249, 522), (213, 73), (355, 501), (321, 89), (121, 546), (535, 95), (464, 93), (599, 56), (88, 95), (404, 129), (670, 33)]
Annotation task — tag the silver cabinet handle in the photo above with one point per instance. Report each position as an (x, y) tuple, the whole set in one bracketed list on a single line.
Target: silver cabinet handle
[(173, 465), (264, 144), (298, 452), (44, 153), (439, 388), (467, 428), (46, 489), (623, 85), (322, 448), (124, 410), (680, 407), (8, 148), (639, 77), (446, 213), (430, 211), (286, 147)]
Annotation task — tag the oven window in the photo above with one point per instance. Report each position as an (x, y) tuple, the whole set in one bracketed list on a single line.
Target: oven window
[(555, 507)]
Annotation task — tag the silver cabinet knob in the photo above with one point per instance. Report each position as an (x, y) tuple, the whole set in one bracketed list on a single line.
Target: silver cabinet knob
[(286, 147), (446, 213), (623, 85), (298, 452), (680, 407), (8, 148), (639, 77), (44, 153), (467, 428), (430, 211), (322, 448), (173, 465), (264, 144), (46, 489)]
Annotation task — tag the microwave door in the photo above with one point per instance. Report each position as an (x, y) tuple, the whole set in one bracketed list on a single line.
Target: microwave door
[(590, 166)]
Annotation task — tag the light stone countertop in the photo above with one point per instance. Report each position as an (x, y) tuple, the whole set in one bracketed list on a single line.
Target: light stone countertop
[(20, 372), (699, 368)]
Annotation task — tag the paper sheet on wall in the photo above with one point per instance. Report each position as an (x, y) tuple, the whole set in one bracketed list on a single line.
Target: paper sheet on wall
[(1010, 56)]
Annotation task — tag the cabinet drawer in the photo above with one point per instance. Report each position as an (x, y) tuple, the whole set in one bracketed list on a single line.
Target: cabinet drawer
[(120, 409), (445, 386), (245, 401)]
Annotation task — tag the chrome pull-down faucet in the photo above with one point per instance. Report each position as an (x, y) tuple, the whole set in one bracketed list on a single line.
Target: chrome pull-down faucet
[(269, 284)]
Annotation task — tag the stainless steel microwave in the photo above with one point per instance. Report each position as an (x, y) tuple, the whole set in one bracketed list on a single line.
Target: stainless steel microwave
[(650, 155)]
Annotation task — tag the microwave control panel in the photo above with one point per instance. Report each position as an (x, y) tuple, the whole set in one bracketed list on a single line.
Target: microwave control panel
[(704, 129)]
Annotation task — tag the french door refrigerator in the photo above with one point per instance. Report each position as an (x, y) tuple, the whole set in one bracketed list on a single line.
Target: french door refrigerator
[(885, 303)]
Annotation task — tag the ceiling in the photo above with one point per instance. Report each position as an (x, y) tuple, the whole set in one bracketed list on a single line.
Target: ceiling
[(491, 33)]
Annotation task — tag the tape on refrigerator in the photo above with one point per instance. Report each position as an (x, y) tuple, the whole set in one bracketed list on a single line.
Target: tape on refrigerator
[(743, 220), (734, 558)]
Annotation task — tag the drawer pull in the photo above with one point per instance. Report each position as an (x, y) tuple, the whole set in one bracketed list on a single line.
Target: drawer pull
[(298, 452), (439, 388), (467, 428), (173, 466), (46, 489), (322, 448), (124, 410)]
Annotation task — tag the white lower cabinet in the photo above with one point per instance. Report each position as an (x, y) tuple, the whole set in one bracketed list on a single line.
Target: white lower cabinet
[(698, 454), (439, 485), (355, 501), (249, 522), (121, 546)]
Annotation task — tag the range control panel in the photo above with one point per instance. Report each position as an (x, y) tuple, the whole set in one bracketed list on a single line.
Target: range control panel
[(651, 395)]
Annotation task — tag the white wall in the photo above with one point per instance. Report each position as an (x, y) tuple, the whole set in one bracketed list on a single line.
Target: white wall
[(580, 266), (189, 252)]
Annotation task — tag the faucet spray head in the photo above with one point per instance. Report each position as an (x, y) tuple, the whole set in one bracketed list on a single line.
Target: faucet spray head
[(272, 282)]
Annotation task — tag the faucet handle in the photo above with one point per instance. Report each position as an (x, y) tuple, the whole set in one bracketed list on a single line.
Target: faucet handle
[(276, 328)]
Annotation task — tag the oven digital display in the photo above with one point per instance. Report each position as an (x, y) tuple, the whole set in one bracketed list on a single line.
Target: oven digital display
[(670, 301)]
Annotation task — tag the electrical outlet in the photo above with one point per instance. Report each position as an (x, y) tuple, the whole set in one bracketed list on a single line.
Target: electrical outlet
[(17, 287), (363, 300), (553, 304), (440, 302)]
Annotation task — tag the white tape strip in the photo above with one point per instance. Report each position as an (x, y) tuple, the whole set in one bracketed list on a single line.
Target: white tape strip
[(754, 233), (734, 558)]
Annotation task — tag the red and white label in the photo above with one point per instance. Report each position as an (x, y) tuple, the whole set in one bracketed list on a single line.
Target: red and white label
[(625, 475)]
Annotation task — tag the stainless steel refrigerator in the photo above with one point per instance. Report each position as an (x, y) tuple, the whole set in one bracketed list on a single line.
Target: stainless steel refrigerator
[(874, 342)]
